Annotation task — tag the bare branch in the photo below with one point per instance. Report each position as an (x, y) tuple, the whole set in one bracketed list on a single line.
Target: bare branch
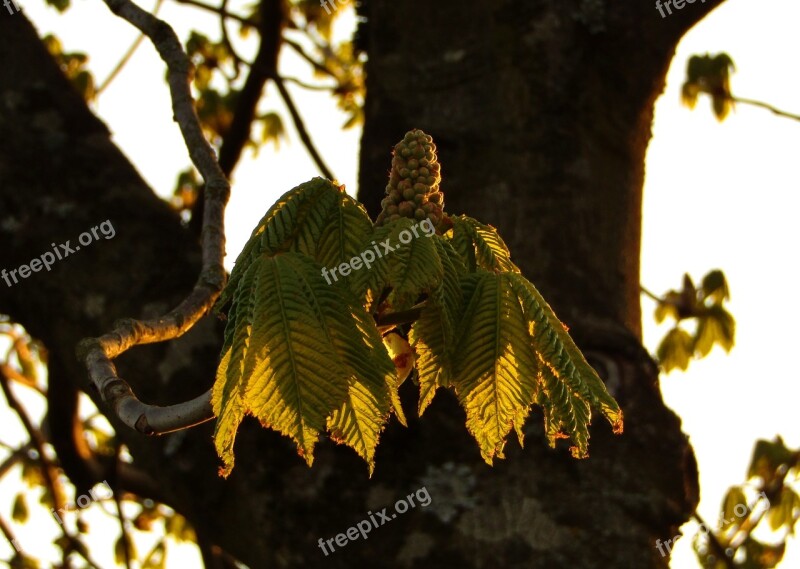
[(301, 128), (125, 58), (763, 105), (221, 11), (319, 66), (308, 86), (126, 539), (97, 353), (49, 470)]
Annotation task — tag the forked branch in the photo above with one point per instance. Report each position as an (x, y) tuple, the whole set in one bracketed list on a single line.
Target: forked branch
[(97, 353)]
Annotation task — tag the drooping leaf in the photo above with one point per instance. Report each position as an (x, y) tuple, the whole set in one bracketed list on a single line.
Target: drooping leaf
[(556, 349), (496, 371), (433, 334), (513, 350), (715, 326), (301, 351), (372, 387), (675, 350)]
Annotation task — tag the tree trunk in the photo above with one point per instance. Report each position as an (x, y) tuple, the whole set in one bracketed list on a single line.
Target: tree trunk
[(538, 136)]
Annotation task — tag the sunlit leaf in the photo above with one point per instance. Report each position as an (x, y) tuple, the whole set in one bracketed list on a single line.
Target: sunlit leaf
[(675, 350)]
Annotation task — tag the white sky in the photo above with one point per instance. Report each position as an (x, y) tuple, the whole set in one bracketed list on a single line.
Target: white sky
[(716, 196)]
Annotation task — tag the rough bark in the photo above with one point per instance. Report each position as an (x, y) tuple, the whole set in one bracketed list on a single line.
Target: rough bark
[(539, 136)]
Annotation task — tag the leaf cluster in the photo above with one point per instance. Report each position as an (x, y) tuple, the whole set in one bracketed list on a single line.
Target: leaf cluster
[(711, 75), (304, 353), (768, 501), (704, 306)]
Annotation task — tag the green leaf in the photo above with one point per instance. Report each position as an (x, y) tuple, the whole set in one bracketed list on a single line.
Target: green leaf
[(297, 352), (433, 334), (675, 350), (157, 557), (408, 263), (178, 527), (495, 369), (664, 310), (761, 555), (513, 350), (23, 561), (272, 129), (481, 246), (715, 286), (60, 5), (119, 550), (715, 326), (734, 497), (345, 231), (372, 385), (563, 359), (316, 218), (19, 511), (783, 513), (768, 456)]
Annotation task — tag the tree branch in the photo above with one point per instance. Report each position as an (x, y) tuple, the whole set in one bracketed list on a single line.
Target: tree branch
[(125, 58), (221, 11), (265, 65), (126, 539), (715, 544), (301, 128), (764, 106), (97, 353), (321, 67)]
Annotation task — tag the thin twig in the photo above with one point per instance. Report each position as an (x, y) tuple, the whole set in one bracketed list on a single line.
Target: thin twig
[(125, 58), (650, 294), (13, 375), (301, 129), (314, 63), (14, 458), (126, 539), (764, 106), (715, 544), (226, 41), (5, 529), (264, 66), (97, 353), (49, 471), (223, 13), (309, 86)]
